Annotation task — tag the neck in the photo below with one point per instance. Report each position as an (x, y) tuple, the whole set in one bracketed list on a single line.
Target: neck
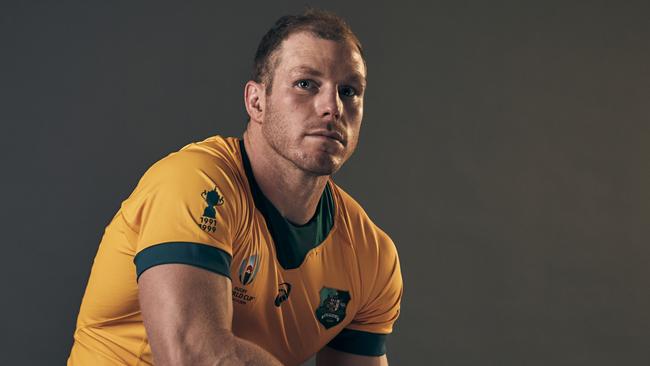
[(294, 192)]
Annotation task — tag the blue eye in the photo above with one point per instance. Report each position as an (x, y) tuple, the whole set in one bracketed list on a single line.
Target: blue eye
[(305, 84), (347, 91)]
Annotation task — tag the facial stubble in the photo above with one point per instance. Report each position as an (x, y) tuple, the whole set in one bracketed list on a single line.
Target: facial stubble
[(276, 132)]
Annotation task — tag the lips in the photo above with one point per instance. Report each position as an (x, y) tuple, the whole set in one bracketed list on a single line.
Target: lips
[(331, 134)]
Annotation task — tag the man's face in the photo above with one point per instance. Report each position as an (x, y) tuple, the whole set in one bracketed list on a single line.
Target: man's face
[(313, 114)]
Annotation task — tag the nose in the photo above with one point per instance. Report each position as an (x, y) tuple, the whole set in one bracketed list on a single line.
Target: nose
[(329, 104)]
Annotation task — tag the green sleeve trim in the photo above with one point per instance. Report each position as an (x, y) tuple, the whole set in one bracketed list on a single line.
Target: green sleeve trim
[(359, 342), (199, 255)]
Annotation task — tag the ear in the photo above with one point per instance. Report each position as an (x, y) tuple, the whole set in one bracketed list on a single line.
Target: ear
[(254, 99)]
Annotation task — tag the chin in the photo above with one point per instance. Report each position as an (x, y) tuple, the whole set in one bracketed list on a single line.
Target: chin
[(322, 164)]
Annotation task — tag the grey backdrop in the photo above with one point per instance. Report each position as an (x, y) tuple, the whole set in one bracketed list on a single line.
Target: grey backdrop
[(505, 149)]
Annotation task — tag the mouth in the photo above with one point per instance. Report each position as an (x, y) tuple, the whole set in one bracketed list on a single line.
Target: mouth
[(329, 134)]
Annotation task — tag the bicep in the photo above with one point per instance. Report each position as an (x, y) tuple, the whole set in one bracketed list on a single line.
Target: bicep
[(329, 356), (184, 306)]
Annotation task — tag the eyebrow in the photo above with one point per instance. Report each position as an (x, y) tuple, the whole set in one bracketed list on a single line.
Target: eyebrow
[(354, 77), (305, 70)]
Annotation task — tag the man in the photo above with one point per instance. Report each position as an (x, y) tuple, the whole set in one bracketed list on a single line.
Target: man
[(244, 251)]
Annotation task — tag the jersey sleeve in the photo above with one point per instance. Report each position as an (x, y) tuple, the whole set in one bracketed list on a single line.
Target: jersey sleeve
[(367, 333), (185, 210)]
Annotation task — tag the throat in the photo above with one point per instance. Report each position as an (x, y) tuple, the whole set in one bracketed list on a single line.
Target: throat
[(292, 191), (293, 239)]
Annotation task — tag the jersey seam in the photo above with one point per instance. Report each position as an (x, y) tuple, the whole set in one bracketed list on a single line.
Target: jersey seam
[(93, 349), (143, 345)]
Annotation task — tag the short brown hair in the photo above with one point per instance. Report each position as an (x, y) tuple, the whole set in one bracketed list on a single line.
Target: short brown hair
[(321, 23)]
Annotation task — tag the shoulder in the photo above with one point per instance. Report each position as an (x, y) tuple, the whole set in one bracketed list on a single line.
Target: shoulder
[(184, 176), (364, 234), (213, 155), (380, 284), (214, 161)]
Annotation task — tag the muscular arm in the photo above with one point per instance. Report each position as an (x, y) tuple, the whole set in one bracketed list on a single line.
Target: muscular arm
[(329, 357), (187, 313)]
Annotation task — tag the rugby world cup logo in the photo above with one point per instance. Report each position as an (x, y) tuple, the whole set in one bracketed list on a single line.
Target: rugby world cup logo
[(248, 269)]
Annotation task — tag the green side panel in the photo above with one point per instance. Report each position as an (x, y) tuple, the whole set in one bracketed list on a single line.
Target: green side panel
[(195, 254), (359, 342)]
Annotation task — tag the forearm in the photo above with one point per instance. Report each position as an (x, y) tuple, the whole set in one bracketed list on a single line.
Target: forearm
[(244, 352), (223, 350)]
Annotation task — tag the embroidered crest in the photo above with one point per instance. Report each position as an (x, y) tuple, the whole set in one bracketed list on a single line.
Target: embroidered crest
[(212, 198), (332, 307)]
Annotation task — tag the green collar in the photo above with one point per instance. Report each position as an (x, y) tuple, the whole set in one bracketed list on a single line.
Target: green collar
[(292, 242)]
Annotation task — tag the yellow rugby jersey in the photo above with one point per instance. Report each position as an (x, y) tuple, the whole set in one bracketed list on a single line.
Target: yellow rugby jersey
[(335, 281)]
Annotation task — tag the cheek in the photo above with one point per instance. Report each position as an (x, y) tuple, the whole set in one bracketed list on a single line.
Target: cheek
[(354, 109), (355, 114), (292, 100)]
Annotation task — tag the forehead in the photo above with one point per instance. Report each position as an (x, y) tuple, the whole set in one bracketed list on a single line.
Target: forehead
[(303, 50)]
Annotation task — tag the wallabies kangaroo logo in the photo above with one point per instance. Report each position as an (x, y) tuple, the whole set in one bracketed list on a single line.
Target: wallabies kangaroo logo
[(332, 307)]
